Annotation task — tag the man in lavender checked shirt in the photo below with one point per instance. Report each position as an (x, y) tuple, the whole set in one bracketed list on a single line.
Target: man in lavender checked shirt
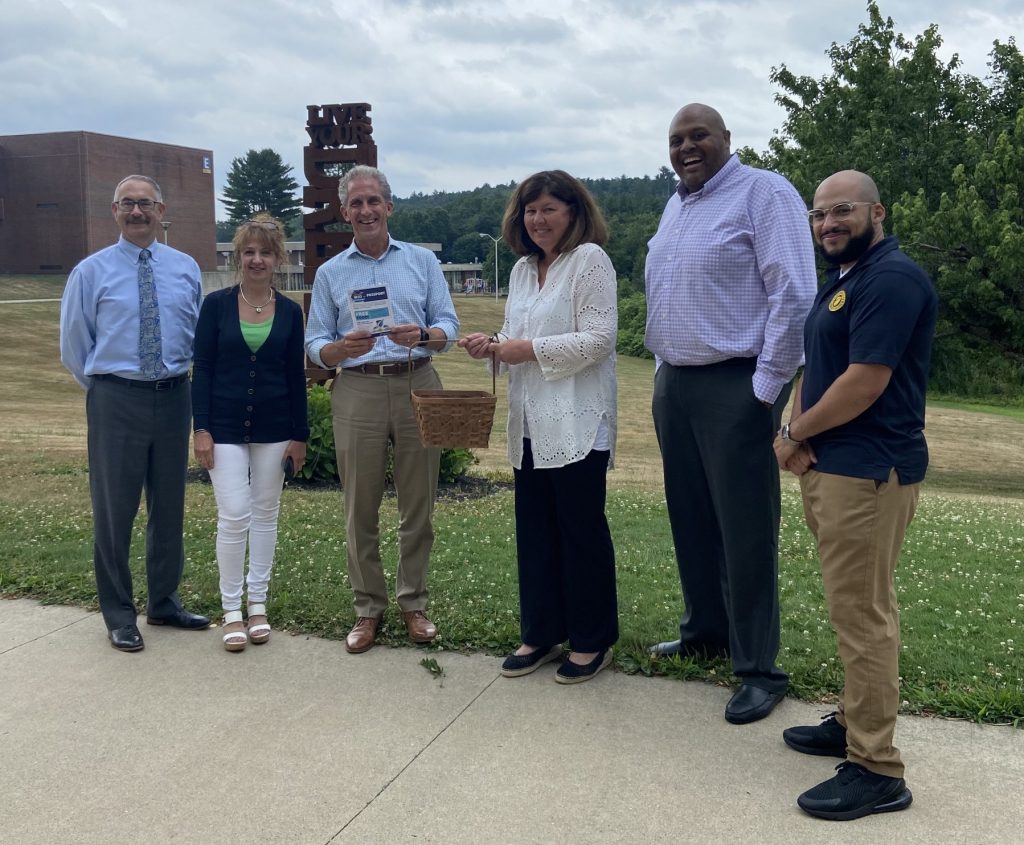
[(730, 278)]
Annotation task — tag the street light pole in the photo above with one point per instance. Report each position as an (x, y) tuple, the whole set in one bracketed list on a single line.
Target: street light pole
[(495, 239)]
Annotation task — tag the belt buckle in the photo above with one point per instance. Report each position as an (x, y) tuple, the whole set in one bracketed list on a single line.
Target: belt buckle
[(163, 384)]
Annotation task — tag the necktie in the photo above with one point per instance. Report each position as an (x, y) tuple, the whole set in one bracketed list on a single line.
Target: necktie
[(150, 351)]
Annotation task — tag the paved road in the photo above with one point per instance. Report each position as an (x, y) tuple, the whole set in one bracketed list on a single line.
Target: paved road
[(299, 742)]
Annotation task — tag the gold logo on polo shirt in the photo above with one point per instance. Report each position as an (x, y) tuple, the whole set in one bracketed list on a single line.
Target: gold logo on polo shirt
[(838, 301)]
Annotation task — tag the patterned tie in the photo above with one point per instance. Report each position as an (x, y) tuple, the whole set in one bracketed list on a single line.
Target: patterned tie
[(150, 351)]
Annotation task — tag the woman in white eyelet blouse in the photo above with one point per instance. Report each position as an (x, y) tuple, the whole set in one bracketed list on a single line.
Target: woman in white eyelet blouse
[(558, 347)]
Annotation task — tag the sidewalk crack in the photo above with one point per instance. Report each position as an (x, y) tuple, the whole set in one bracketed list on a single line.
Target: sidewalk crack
[(48, 633), (412, 760)]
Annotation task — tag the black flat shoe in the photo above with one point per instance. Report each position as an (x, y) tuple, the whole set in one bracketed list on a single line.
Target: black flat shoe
[(180, 619), (750, 703), (126, 638), (523, 664), (573, 673)]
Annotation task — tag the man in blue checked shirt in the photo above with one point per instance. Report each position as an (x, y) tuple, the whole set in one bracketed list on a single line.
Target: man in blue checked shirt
[(127, 322), (730, 278), (370, 399)]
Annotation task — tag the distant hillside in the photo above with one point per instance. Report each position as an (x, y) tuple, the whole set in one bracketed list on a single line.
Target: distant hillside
[(455, 219)]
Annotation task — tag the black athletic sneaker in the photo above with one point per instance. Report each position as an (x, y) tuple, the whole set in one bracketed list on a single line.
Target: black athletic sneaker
[(825, 740), (855, 792)]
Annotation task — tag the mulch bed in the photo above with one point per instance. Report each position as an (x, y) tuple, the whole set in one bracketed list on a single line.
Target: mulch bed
[(461, 490)]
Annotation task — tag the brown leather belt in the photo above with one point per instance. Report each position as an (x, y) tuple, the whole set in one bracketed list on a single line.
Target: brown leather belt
[(399, 368)]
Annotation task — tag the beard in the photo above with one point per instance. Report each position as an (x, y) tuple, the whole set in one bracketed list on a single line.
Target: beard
[(856, 246)]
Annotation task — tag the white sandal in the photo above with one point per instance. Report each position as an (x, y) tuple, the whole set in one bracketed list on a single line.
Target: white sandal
[(234, 640), (259, 633)]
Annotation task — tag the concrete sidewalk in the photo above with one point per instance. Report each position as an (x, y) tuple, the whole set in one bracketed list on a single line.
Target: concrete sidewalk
[(298, 741)]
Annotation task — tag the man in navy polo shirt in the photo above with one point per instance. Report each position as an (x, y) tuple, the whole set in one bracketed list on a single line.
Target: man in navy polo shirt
[(856, 440)]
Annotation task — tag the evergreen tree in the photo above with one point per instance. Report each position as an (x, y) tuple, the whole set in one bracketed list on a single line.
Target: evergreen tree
[(260, 181)]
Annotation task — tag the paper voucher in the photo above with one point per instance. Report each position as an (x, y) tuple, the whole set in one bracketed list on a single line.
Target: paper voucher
[(371, 311)]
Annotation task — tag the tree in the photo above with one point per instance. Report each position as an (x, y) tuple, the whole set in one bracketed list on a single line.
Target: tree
[(890, 107), (973, 245), (944, 148), (260, 181)]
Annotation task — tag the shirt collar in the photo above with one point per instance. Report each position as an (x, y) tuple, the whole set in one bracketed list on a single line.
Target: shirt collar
[(883, 247), (730, 167), (132, 251), (354, 250)]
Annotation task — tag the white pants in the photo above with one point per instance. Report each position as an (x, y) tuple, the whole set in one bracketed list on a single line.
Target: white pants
[(247, 481)]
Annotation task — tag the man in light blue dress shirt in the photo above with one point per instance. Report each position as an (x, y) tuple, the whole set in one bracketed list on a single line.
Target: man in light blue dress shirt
[(730, 278), (138, 299), (370, 399)]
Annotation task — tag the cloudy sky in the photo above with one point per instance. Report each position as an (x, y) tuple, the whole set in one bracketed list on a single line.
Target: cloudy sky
[(462, 92)]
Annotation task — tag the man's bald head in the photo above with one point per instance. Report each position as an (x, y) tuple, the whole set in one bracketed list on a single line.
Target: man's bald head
[(705, 114), (854, 185)]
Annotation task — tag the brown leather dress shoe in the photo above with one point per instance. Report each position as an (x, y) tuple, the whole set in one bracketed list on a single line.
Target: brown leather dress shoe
[(363, 635), (421, 629)]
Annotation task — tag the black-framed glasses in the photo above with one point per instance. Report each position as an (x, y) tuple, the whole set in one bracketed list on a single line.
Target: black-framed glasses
[(143, 204), (839, 211)]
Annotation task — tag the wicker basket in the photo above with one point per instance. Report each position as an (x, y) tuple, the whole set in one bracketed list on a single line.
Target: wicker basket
[(454, 419)]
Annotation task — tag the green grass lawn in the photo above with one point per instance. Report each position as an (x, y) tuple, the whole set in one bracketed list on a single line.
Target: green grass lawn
[(960, 580)]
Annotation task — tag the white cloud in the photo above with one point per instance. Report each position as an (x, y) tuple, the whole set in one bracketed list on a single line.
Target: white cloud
[(462, 92)]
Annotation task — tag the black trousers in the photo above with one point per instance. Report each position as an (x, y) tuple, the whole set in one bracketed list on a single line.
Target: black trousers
[(138, 440), (722, 491), (566, 557)]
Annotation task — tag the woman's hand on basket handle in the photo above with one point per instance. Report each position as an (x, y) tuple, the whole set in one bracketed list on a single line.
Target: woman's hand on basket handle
[(506, 351), (476, 344)]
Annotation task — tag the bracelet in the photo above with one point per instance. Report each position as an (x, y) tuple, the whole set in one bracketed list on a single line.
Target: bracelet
[(784, 435)]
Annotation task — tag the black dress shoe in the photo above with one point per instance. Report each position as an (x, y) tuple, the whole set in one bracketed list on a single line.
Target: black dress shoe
[(750, 703), (126, 638), (680, 649), (181, 618)]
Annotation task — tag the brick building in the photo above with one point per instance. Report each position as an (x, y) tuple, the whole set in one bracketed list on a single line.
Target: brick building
[(56, 189)]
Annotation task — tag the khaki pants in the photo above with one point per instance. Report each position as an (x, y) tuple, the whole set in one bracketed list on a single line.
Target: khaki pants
[(859, 525), (368, 412)]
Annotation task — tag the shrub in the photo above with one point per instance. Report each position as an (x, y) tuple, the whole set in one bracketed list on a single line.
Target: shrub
[(322, 465), (632, 325)]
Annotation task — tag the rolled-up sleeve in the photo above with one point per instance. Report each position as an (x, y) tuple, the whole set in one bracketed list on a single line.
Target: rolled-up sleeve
[(322, 322), (785, 257)]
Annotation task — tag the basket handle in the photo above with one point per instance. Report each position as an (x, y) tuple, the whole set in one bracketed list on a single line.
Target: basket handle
[(494, 366)]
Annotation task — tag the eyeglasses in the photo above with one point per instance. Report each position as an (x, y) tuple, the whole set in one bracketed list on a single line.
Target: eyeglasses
[(143, 204), (263, 224), (840, 211)]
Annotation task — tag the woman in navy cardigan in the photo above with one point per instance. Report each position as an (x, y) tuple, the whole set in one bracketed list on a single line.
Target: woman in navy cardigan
[(249, 417)]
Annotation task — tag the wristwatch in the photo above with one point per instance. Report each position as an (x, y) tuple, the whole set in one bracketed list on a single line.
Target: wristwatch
[(424, 335), (784, 434)]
